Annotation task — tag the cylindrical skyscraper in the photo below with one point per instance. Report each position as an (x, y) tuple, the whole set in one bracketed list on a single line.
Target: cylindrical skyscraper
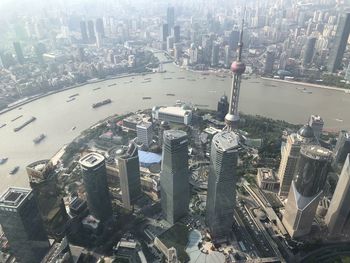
[(306, 190), (95, 181)]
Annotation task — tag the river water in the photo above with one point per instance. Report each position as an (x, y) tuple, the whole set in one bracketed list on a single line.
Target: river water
[(56, 117)]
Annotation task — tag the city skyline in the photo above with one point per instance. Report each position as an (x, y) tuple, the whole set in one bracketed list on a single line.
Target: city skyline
[(174, 131)]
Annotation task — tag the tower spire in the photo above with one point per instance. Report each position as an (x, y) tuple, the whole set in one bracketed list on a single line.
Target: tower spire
[(237, 68)]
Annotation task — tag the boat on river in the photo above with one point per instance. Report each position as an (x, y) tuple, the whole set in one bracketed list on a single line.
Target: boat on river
[(38, 139), (101, 103), (14, 170), (3, 160)]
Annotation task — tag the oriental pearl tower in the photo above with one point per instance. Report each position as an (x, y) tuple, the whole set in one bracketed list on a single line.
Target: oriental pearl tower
[(238, 68)]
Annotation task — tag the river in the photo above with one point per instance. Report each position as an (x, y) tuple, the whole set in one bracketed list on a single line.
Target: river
[(56, 117)]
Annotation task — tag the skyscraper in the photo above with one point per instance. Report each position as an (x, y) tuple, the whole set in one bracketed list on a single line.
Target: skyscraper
[(91, 30), (164, 32), (290, 155), (269, 62), (233, 39), (338, 214), (215, 54), (144, 133), (21, 222), (309, 50), (339, 44), (237, 68), (221, 183), (222, 108), (170, 16), (43, 181), (99, 27), (342, 148), (176, 31), (129, 173), (19, 52), (95, 181), (83, 31), (174, 178), (316, 123), (306, 190)]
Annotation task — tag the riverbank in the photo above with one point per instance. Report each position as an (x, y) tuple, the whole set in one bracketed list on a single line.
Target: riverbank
[(307, 84), (34, 98)]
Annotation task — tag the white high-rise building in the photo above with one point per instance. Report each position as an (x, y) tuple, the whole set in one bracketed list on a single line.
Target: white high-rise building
[(316, 123), (144, 132)]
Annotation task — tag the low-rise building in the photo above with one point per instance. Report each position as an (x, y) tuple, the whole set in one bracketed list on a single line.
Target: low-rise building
[(267, 179), (176, 114)]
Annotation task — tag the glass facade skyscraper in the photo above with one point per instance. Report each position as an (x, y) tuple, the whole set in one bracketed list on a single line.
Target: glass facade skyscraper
[(95, 181), (22, 224), (129, 173), (306, 190), (340, 41), (174, 178), (221, 183)]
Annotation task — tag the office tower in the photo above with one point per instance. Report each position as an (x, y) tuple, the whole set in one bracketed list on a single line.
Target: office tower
[(21, 222), (129, 173), (222, 109), (19, 52), (144, 131), (164, 32), (99, 40), (170, 16), (290, 155), (339, 44), (170, 42), (316, 123), (91, 30), (43, 181), (221, 183), (6, 59), (176, 31), (174, 178), (342, 148), (95, 181), (193, 54), (60, 252), (177, 51), (269, 61), (227, 56), (83, 31), (338, 214), (309, 50), (99, 27), (237, 68), (283, 61), (215, 54), (164, 126), (306, 190), (233, 39)]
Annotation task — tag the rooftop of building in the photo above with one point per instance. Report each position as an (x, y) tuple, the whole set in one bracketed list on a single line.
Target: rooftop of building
[(144, 124), (91, 221), (267, 174), (38, 165), (13, 197), (174, 134), (226, 140), (174, 110), (306, 131), (316, 118), (136, 118), (316, 152), (91, 160), (127, 243)]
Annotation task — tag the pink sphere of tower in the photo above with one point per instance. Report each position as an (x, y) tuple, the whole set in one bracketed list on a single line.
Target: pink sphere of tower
[(238, 67)]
